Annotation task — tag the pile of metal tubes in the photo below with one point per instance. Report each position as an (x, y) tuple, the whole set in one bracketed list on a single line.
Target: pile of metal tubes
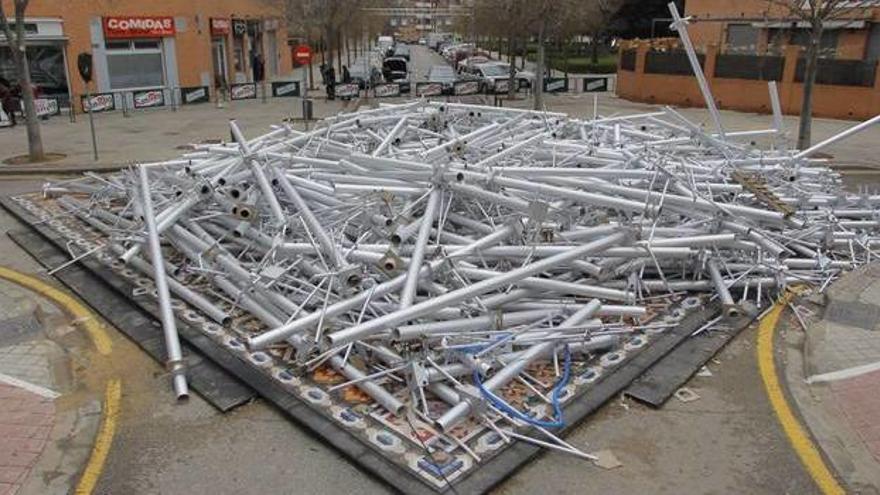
[(441, 251)]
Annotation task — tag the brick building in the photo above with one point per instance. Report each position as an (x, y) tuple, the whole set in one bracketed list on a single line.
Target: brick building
[(140, 45), (757, 26)]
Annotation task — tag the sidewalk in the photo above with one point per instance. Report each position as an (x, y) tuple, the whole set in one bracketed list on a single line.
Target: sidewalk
[(159, 134), (47, 423), (149, 135), (843, 351), (833, 373)]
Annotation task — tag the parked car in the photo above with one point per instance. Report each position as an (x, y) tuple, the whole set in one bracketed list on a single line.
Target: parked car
[(423, 41), (386, 44), (493, 71), (401, 51), (452, 51), (444, 75), (365, 74), (468, 64), (396, 69)]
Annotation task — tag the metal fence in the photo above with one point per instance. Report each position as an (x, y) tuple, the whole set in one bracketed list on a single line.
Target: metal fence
[(673, 62), (840, 72), (753, 67)]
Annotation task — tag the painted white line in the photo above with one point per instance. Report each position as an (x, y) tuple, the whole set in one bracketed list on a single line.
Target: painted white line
[(834, 376), (30, 387)]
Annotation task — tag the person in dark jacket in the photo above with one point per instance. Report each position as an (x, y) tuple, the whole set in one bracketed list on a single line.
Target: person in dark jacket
[(259, 67), (331, 83), (323, 70), (8, 100), (346, 75)]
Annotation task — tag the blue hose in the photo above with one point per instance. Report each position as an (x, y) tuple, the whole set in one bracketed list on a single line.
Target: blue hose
[(506, 408)]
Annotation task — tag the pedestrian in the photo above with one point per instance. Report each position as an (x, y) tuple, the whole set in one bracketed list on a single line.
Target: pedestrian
[(324, 74), (346, 75), (8, 100), (331, 83), (258, 66)]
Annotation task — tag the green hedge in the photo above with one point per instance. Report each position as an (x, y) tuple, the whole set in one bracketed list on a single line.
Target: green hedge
[(584, 65)]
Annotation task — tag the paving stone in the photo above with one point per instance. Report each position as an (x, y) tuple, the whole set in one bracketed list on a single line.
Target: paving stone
[(10, 474), (854, 313), (858, 398)]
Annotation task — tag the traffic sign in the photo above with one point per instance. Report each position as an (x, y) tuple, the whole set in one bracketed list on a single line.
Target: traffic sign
[(302, 54)]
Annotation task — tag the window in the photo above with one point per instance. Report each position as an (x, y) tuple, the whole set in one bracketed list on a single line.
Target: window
[(46, 64), (778, 38), (135, 64), (238, 54), (742, 38), (872, 52), (827, 44)]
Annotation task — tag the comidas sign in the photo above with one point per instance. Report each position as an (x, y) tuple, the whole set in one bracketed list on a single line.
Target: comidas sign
[(138, 27), (45, 106), (386, 90), (149, 98), (285, 88), (102, 102)]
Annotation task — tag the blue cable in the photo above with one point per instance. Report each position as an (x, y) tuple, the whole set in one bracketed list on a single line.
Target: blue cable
[(503, 406)]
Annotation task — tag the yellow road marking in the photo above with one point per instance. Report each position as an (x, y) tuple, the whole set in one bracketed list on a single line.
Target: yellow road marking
[(113, 392), (92, 472), (81, 314), (797, 435)]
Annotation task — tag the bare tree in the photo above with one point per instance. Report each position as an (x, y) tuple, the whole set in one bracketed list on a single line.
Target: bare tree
[(816, 14), (15, 38), (501, 19), (595, 22), (547, 19), (323, 19), (544, 20)]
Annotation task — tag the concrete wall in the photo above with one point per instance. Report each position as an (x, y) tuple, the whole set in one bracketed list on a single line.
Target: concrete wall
[(192, 42), (844, 102)]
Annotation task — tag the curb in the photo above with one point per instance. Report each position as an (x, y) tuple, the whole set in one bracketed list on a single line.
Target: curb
[(11, 170)]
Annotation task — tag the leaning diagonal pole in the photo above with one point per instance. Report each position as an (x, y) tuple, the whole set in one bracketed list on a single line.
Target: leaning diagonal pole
[(680, 25), (169, 327)]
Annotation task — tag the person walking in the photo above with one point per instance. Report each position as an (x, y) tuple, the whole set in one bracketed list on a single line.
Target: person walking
[(8, 100), (259, 67), (346, 75), (331, 83)]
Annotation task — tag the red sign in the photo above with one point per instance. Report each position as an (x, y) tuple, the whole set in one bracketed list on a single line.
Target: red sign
[(302, 54), (220, 27), (138, 27)]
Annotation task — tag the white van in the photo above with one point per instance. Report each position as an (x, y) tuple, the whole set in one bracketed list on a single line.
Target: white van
[(386, 43)]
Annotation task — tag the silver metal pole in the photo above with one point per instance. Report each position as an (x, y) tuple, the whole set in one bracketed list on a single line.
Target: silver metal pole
[(172, 341), (408, 294), (680, 25)]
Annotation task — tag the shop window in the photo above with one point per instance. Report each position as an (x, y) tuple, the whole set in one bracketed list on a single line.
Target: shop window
[(47, 68), (238, 54), (146, 44), (135, 64), (117, 45)]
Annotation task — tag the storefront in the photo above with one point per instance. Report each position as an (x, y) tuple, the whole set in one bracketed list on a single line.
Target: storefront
[(47, 53), (220, 29), (154, 47), (136, 53)]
